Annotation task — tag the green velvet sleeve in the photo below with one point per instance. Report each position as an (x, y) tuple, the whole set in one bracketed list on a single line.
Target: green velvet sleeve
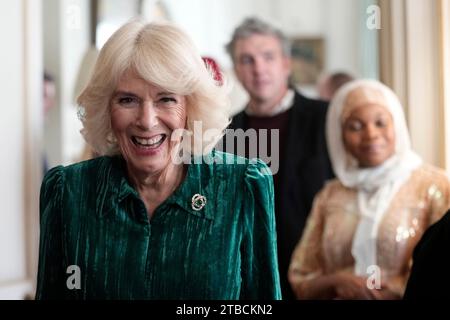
[(51, 284), (260, 277)]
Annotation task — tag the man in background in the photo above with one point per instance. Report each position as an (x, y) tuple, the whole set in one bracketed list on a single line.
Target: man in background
[(330, 83), (261, 58)]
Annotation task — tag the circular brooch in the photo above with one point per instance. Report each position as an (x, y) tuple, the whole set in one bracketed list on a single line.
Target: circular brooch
[(198, 202)]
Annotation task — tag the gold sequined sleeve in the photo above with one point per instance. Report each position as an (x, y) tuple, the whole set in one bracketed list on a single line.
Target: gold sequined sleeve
[(307, 259), (438, 199)]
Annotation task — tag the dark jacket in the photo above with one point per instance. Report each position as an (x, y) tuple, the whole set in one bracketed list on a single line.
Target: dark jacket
[(429, 278), (303, 169)]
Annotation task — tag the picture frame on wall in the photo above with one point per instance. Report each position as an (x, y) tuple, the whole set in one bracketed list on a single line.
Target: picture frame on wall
[(308, 60)]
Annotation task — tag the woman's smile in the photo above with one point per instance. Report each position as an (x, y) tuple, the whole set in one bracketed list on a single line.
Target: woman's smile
[(148, 146)]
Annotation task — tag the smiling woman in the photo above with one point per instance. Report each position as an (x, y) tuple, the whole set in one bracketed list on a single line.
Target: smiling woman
[(374, 213), (143, 118), (368, 133), (138, 224)]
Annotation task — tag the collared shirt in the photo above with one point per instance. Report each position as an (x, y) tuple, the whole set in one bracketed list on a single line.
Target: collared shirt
[(93, 219), (285, 104)]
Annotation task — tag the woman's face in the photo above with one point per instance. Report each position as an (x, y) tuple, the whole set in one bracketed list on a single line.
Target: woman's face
[(368, 129), (143, 118)]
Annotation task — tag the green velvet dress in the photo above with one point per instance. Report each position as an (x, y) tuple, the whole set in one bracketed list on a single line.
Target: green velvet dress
[(92, 218)]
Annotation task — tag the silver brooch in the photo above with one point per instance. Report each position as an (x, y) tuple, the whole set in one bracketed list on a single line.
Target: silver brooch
[(198, 202)]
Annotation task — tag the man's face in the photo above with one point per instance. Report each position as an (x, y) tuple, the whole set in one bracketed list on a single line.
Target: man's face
[(262, 68)]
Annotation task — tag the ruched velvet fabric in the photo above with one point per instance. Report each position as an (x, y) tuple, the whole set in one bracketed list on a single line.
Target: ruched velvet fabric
[(91, 217)]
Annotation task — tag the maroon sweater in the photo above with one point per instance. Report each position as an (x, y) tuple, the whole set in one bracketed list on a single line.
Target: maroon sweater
[(280, 122)]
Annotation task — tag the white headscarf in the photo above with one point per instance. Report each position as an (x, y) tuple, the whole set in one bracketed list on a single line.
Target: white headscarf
[(376, 186)]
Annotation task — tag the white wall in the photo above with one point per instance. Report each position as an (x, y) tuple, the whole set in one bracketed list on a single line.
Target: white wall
[(340, 25), (21, 85), (66, 40), (12, 235)]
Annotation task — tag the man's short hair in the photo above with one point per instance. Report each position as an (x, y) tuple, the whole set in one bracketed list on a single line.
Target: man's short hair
[(253, 25)]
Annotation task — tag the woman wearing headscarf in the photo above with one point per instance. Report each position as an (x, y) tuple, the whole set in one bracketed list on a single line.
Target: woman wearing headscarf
[(365, 223)]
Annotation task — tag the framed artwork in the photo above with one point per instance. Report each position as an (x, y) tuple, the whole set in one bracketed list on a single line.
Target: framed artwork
[(307, 60)]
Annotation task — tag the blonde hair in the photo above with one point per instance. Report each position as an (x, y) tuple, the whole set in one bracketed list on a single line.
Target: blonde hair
[(161, 54)]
